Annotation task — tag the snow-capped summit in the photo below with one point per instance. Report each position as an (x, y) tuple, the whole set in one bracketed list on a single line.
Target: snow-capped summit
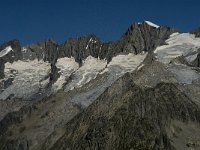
[(152, 24)]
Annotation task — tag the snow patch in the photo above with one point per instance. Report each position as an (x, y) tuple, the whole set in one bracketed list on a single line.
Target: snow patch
[(177, 45), (28, 78), (127, 63), (67, 66), (91, 67), (174, 34), (24, 49), (140, 66), (88, 71), (5, 51), (152, 24), (119, 65), (90, 41)]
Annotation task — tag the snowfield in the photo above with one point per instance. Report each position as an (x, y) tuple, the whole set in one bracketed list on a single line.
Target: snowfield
[(127, 63), (67, 66), (119, 65), (23, 79), (177, 45), (89, 70), (180, 44), (93, 66), (27, 77)]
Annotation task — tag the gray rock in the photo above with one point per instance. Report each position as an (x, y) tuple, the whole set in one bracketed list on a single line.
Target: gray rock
[(128, 117), (12, 56), (196, 32), (196, 62), (138, 38), (81, 48)]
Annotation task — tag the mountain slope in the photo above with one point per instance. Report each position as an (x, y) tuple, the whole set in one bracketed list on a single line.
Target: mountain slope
[(141, 92), (127, 117)]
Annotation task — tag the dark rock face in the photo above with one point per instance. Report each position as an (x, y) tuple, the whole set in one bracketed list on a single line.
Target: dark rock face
[(14, 118), (10, 119), (20, 144), (138, 38), (2, 66), (196, 62), (12, 56), (81, 48), (196, 32), (47, 51), (15, 44), (127, 117)]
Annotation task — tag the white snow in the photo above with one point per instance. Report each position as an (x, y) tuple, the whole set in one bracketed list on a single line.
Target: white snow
[(67, 66), (44, 82), (24, 49), (5, 51), (88, 71), (115, 69), (140, 66), (119, 65), (127, 63), (91, 67), (152, 24), (180, 44), (91, 40), (174, 34), (28, 78), (87, 47), (177, 45)]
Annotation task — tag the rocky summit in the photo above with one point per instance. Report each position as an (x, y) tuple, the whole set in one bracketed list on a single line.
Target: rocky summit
[(141, 92)]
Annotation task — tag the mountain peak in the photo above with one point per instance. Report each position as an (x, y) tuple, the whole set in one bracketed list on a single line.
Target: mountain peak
[(88, 94), (151, 24)]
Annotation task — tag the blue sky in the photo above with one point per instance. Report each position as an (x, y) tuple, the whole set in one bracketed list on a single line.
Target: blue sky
[(36, 20)]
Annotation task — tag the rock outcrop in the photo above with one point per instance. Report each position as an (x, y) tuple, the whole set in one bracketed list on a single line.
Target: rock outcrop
[(138, 38), (196, 32), (12, 56), (196, 62)]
